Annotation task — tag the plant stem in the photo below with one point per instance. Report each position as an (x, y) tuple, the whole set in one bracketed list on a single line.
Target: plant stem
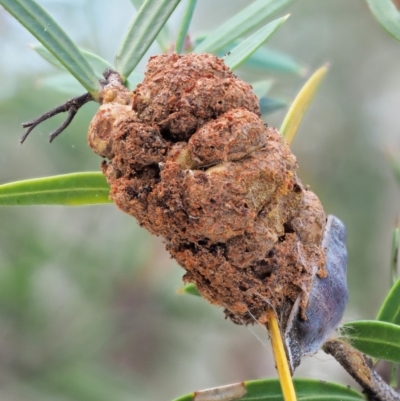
[(281, 362), (360, 368)]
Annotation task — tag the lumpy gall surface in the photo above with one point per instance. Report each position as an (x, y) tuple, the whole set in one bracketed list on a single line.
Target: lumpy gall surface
[(189, 157)]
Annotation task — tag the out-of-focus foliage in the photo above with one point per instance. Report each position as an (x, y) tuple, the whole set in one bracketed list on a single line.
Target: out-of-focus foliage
[(240, 24), (185, 24), (386, 13), (88, 307)]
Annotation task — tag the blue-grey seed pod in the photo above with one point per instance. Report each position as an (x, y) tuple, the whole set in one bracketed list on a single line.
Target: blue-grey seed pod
[(327, 301)]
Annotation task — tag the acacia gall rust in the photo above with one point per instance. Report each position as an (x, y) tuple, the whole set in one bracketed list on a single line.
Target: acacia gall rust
[(190, 158)]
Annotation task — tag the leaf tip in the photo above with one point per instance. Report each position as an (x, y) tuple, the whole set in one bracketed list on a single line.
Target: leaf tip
[(301, 103), (326, 66), (280, 21)]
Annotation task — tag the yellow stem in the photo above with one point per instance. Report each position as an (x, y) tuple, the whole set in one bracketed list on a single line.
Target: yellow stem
[(281, 362)]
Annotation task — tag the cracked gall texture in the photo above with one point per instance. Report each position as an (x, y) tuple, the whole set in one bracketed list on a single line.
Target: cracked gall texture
[(189, 157)]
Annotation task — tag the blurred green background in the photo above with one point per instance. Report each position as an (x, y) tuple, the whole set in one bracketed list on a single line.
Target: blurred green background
[(88, 302)]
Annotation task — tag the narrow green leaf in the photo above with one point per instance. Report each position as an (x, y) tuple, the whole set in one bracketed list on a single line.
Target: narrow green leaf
[(261, 88), (141, 33), (98, 64), (267, 59), (300, 105), (390, 309), (189, 289), (75, 189), (163, 37), (41, 25), (378, 339), (63, 83), (43, 52), (242, 52), (268, 105), (187, 18), (306, 390), (387, 15), (270, 390), (247, 19), (264, 59)]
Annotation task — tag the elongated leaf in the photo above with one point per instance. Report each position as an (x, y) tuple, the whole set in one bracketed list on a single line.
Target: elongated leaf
[(242, 52), (63, 83), (141, 33), (300, 105), (43, 52), (390, 309), (75, 189), (268, 105), (267, 59), (378, 339), (187, 18), (264, 59), (246, 20), (270, 390), (98, 64), (41, 25), (163, 37), (387, 15), (189, 289)]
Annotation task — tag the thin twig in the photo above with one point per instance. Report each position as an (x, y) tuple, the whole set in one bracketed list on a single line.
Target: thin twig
[(360, 368), (71, 106)]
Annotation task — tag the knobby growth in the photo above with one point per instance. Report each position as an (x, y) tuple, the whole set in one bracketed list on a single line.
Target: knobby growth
[(191, 160)]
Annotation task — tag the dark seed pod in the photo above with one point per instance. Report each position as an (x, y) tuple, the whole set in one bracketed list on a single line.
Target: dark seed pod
[(327, 301)]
